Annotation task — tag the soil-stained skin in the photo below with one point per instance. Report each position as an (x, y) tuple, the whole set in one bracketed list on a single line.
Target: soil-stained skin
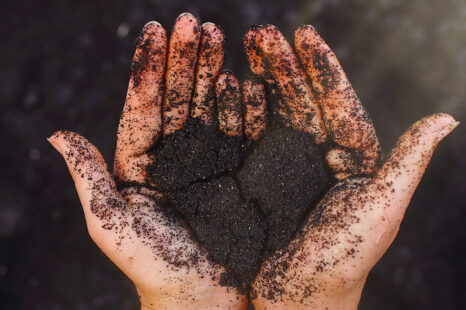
[(243, 200), (179, 82), (272, 57), (141, 217), (329, 223)]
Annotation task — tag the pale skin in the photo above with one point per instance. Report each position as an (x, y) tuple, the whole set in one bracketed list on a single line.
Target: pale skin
[(329, 260), (326, 266), (128, 225)]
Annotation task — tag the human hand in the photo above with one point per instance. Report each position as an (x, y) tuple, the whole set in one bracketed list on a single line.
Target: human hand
[(129, 224), (326, 265)]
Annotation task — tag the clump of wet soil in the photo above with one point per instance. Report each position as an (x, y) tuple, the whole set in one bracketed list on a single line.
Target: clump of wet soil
[(242, 200)]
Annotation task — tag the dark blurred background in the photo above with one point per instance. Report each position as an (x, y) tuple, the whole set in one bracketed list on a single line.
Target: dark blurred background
[(65, 65)]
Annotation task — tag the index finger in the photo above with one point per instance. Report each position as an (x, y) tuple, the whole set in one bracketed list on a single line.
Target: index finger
[(283, 64), (345, 118)]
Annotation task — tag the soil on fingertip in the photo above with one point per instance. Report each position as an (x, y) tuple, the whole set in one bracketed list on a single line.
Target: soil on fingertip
[(243, 200)]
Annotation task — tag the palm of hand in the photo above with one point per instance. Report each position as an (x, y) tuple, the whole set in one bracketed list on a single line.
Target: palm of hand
[(326, 265), (137, 232)]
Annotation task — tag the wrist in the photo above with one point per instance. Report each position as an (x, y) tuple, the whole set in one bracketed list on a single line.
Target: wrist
[(328, 297), (217, 297), (346, 298), (316, 302)]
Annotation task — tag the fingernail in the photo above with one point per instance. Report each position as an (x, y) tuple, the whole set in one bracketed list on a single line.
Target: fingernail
[(270, 27), (306, 27), (184, 14), (208, 24), (228, 71), (54, 143), (255, 27), (152, 23), (446, 130), (55, 146), (211, 27)]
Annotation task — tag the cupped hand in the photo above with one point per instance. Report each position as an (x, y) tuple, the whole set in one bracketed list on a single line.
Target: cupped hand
[(125, 215), (326, 265)]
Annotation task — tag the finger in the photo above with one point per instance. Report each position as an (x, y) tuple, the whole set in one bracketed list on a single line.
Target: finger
[(179, 77), (347, 163), (141, 120), (254, 103), (228, 94), (101, 202), (255, 55), (209, 65), (120, 228), (390, 192), (402, 172), (345, 118), (253, 51), (285, 68)]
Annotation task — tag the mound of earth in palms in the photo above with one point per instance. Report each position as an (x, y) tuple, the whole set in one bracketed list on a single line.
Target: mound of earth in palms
[(243, 200)]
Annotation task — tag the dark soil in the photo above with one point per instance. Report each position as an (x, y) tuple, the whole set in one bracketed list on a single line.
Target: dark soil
[(285, 175), (243, 201)]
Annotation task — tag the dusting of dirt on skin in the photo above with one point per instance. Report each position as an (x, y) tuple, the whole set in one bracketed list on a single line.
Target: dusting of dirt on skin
[(146, 218), (272, 57), (341, 106), (332, 218), (241, 201), (140, 62)]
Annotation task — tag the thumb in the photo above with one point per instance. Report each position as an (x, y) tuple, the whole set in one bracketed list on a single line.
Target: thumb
[(96, 188), (402, 172)]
